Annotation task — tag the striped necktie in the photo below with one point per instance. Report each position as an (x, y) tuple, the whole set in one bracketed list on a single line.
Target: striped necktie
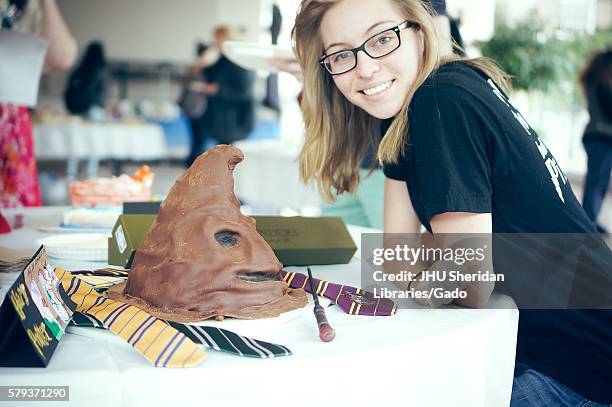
[(353, 301), (227, 341), (158, 342), (211, 337)]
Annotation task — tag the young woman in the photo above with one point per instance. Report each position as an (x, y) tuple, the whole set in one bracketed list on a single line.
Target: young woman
[(458, 158)]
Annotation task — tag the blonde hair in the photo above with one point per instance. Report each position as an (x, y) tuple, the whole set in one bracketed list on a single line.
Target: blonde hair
[(338, 133), (226, 32)]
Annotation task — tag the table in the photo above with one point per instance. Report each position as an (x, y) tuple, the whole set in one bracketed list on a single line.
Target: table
[(420, 357), (78, 140)]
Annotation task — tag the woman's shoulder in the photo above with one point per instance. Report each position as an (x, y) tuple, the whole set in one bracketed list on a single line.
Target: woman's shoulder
[(452, 80), (453, 88)]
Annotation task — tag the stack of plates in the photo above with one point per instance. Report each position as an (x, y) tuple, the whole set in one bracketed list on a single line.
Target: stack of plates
[(252, 55), (77, 246)]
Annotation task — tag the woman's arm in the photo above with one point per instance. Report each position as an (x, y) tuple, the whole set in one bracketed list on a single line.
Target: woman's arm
[(401, 226), (62, 45), (399, 213), (462, 223)]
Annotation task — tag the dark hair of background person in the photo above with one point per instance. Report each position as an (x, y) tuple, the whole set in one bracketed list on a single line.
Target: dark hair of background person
[(12, 13), (597, 78), (455, 23), (93, 59), (201, 48), (20, 4), (438, 6), (87, 84)]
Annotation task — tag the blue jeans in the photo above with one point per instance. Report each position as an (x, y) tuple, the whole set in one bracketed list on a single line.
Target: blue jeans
[(531, 388)]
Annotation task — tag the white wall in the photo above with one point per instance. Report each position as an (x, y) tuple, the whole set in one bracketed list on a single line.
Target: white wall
[(477, 18), (580, 15), (156, 30)]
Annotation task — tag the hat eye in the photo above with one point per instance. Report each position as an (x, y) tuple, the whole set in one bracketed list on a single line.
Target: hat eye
[(226, 238)]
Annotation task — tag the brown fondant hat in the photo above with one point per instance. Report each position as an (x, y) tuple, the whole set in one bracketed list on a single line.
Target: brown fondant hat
[(202, 258)]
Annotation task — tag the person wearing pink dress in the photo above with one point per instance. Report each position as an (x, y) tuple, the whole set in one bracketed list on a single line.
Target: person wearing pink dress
[(18, 169)]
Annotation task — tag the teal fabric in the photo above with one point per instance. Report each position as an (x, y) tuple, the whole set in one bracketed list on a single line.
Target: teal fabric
[(365, 206)]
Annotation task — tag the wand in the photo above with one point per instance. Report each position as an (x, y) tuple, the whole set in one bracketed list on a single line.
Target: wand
[(326, 332)]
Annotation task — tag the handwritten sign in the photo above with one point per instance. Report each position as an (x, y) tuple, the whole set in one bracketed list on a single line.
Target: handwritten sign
[(34, 315)]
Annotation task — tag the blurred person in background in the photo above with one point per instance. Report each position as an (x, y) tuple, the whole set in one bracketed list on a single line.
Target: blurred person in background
[(193, 102), (271, 99), (596, 81), (18, 170), (230, 112), (442, 23), (87, 88)]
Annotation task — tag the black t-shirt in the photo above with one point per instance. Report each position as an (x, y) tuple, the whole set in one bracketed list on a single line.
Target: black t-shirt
[(470, 150)]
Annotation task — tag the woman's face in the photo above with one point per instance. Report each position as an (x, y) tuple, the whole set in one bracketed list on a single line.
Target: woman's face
[(378, 86)]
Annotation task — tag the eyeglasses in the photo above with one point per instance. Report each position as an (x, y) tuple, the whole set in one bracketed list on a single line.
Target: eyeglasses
[(377, 46)]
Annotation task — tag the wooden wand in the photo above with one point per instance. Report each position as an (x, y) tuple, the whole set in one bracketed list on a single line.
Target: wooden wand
[(326, 332)]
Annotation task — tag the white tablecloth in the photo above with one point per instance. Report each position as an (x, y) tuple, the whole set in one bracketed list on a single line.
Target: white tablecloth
[(444, 357), (83, 140)]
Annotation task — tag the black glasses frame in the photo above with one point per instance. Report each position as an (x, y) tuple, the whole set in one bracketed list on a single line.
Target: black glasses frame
[(397, 29)]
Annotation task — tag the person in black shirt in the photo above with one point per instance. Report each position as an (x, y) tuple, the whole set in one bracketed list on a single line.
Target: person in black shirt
[(230, 114), (458, 158), (230, 111), (596, 81)]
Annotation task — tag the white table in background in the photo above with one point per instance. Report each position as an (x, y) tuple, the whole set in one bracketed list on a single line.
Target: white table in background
[(418, 357), (77, 140), (269, 176)]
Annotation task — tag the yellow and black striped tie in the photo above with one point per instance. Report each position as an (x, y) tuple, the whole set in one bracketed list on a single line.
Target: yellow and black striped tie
[(161, 344)]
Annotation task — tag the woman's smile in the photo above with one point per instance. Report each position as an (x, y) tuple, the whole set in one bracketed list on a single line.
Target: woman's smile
[(377, 90)]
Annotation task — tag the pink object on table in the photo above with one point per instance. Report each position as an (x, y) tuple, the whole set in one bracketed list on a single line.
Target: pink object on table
[(4, 225), (112, 191)]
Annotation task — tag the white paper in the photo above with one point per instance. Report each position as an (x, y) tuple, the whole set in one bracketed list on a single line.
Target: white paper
[(21, 62)]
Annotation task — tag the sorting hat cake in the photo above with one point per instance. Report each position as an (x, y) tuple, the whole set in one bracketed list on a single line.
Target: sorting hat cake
[(202, 258)]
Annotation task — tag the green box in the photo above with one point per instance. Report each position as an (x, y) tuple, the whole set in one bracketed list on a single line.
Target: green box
[(128, 234), (296, 241), (301, 241)]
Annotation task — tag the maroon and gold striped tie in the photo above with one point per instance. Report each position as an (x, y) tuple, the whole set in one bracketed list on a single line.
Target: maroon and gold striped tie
[(351, 300)]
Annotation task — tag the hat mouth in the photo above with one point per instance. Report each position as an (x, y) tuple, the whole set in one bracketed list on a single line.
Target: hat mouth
[(259, 276)]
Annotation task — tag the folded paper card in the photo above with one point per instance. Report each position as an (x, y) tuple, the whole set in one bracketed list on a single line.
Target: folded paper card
[(34, 315)]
